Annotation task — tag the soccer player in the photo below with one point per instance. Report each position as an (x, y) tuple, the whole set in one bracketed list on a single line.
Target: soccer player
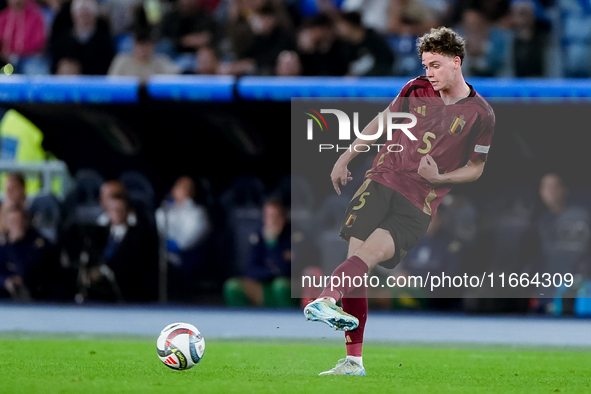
[(392, 209)]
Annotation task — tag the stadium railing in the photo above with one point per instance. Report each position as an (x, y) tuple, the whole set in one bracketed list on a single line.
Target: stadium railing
[(126, 90), (48, 171)]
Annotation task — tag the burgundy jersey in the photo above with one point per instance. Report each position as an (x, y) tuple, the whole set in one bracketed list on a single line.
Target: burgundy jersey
[(452, 134)]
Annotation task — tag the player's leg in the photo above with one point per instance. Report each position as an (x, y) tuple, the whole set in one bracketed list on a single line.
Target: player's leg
[(355, 304), (324, 308), (378, 247), (365, 212)]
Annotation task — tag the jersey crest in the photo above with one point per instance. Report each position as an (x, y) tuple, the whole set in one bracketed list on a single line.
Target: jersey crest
[(457, 125)]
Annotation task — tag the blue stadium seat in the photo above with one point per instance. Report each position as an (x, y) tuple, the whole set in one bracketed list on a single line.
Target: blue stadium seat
[(575, 37), (576, 41)]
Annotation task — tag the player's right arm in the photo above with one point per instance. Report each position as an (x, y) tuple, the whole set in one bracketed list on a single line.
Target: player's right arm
[(340, 173)]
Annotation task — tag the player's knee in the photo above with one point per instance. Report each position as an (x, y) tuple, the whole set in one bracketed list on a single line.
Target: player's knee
[(372, 256)]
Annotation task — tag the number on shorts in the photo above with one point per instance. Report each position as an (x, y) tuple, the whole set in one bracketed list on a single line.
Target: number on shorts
[(362, 199)]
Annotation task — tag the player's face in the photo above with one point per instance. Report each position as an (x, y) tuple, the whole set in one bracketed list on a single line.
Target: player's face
[(440, 69)]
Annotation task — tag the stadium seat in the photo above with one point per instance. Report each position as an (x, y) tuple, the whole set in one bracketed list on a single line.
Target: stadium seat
[(141, 193), (241, 202), (296, 193), (89, 182), (81, 204), (575, 37), (244, 192), (332, 248), (512, 215), (139, 187), (46, 214)]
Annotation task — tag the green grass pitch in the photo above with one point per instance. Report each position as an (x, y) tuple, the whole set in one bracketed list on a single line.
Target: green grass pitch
[(130, 365)]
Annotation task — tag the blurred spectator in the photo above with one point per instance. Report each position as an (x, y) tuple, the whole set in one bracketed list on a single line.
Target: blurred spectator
[(189, 27), (88, 41), (49, 9), (15, 197), (487, 48), (110, 189), (321, 52), (62, 21), (22, 33), (184, 227), (270, 39), (237, 29), (409, 17), (288, 64), (25, 258), (374, 13), (129, 268), (142, 62), (207, 62), (235, 15), (496, 12), (209, 5), (116, 189), (369, 53), (182, 222), (265, 280), (564, 230), (120, 14), (68, 66), (531, 39)]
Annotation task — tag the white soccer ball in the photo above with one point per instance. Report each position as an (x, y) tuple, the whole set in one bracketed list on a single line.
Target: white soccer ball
[(180, 346)]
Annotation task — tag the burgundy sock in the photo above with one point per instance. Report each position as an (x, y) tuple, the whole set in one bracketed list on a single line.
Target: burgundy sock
[(347, 273), (356, 304)]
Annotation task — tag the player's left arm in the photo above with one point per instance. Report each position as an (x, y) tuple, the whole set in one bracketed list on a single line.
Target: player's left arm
[(428, 169)]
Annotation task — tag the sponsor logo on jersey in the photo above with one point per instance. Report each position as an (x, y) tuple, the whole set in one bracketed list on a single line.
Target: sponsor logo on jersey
[(422, 110), (481, 149)]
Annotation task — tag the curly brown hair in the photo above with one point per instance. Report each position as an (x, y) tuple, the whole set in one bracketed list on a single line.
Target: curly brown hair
[(444, 41)]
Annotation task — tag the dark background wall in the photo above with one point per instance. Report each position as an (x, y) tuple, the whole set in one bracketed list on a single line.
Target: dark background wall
[(222, 141)]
